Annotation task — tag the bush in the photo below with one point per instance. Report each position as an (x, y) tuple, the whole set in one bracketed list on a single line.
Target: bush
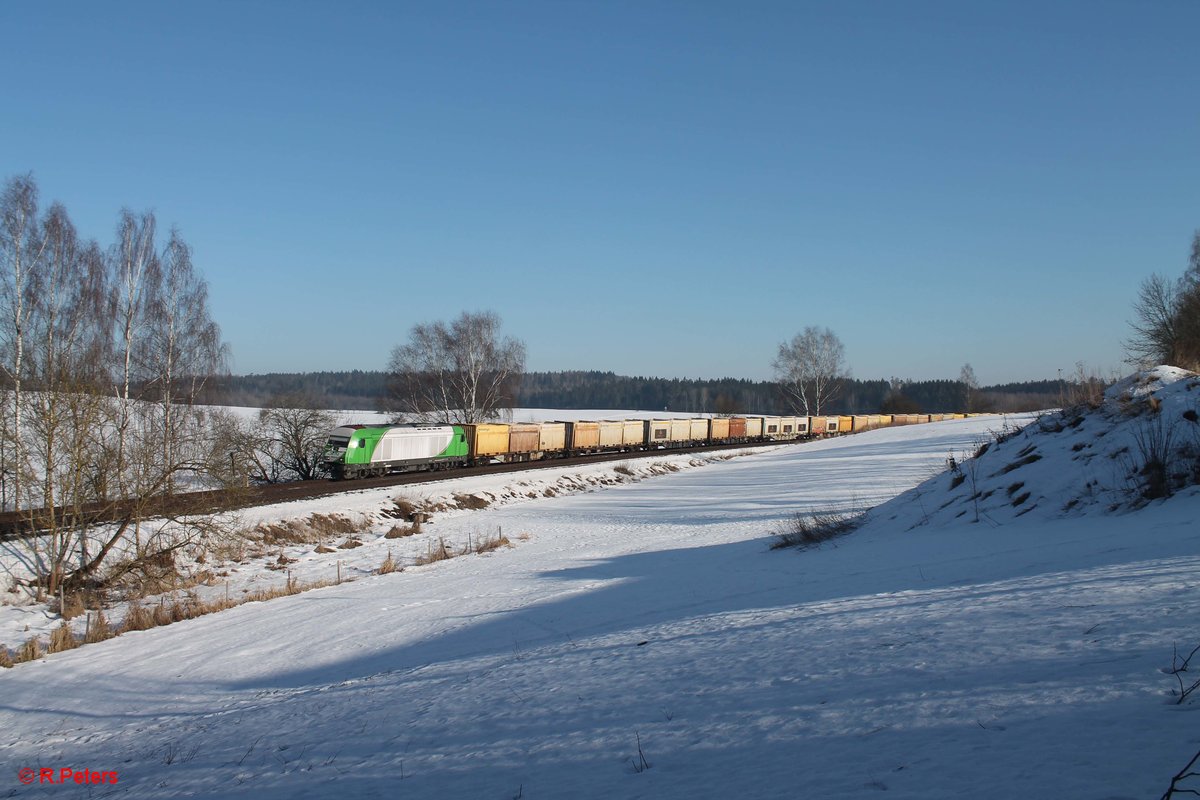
[(30, 651), (137, 618), (62, 639), (433, 554), (389, 565), (98, 629), (472, 502), (810, 529)]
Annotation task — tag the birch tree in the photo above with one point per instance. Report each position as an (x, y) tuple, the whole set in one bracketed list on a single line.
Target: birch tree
[(21, 250), (68, 412), (465, 371), (134, 266), (811, 369), (970, 386)]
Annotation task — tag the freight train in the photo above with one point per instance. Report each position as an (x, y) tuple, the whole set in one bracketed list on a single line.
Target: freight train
[(359, 451)]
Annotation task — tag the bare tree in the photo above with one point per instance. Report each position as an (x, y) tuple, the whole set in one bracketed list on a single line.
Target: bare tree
[(21, 250), (101, 356), (134, 265), (67, 413), (461, 372), (288, 440), (970, 387), (811, 369), (182, 346), (1166, 324), (1156, 336)]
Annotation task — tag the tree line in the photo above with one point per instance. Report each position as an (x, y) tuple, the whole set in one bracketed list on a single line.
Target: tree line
[(587, 389)]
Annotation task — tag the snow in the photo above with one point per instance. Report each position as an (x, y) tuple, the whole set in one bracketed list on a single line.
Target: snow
[(926, 655)]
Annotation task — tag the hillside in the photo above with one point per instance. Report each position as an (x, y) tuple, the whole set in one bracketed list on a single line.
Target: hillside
[(641, 639)]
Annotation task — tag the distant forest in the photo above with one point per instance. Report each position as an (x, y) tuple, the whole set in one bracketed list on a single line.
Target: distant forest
[(363, 391)]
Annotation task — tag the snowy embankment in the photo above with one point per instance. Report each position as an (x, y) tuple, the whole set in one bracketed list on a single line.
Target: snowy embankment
[(643, 641)]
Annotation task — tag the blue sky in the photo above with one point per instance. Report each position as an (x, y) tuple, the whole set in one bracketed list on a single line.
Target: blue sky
[(667, 188)]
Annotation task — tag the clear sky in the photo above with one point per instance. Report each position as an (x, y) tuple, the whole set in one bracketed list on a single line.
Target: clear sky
[(667, 188)]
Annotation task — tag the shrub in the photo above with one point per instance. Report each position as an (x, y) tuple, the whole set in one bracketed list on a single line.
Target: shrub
[(137, 618), (389, 565), (471, 501), (400, 531), (486, 544), (98, 629), (402, 508), (30, 651), (72, 605), (433, 554), (6, 661), (62, 639), (807, 530), (162, 614)]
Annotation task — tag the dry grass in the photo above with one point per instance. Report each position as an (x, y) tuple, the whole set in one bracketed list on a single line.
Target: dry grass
[(30, 651), (402, 508), (389, 565), (72, 605), (471, 501), (488, 544), (137, 618), (401, 531), (98, 629), (434, 554), (62, 639), (162, 614), (313, 529), (807, 530), (293, 586), (623, 469), (140, 618)]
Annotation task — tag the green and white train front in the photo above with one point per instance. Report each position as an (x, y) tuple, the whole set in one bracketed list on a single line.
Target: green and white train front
[(354, 451)]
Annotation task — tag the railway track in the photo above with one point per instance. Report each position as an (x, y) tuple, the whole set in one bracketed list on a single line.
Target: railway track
[(16, 525)]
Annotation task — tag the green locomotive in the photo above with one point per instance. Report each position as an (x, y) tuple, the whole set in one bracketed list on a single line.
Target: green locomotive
[(358, 451)]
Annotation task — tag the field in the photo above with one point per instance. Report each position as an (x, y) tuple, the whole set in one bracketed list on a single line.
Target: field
[(637, 636)]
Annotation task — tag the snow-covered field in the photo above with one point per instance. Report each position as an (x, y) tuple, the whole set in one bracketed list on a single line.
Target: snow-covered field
[(640, 639)]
